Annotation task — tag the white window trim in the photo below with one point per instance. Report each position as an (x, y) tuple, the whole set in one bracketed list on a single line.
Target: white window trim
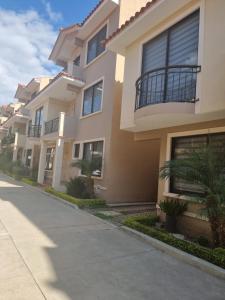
[(86, 88), (101, 139), (170, 136), (163, 28), (90, 37)]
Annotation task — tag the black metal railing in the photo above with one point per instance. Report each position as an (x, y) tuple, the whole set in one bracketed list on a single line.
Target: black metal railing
[(169, 84), (34, 131), (52, 126)]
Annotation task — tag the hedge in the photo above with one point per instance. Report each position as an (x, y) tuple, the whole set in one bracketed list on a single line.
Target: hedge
[(81, 203), (29, 181), (214, 256)]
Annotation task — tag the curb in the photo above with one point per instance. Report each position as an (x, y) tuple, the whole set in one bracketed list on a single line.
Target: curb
[(181, 255)]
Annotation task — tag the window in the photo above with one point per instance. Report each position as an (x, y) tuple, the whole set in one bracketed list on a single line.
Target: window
[(180, 148), (76, 61), (177, 46), (92, 99), (96, 45), (39, 116), (94, 152), (28, 157), (76, 151)]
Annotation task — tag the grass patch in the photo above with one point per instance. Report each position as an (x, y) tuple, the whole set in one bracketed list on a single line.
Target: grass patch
[(81, 203), (214, 256), (103, 216), (29, 181)]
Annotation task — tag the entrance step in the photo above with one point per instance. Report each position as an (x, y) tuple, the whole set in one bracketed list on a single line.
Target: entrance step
[(134, 208)]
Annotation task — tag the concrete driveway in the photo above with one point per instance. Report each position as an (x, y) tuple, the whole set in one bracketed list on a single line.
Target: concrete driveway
[(51, 251)]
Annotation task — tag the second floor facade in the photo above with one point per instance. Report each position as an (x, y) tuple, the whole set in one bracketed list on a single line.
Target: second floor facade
[(174, 69)]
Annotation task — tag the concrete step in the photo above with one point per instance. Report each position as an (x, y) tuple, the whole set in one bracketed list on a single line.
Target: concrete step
[(132, 208)]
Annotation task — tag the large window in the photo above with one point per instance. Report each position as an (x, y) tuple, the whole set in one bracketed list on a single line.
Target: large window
[(93, 151), (96, 45), (168, 62), (182, 146), (92, 99), (39, 116)]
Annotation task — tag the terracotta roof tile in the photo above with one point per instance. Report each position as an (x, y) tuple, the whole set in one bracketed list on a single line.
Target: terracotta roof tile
[(132, 19)]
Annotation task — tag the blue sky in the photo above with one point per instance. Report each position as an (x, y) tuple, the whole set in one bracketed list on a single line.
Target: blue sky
[(28, 30), (72, 11)]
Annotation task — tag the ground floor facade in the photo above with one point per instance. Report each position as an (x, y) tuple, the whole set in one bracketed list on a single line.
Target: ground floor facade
[(173, 142)]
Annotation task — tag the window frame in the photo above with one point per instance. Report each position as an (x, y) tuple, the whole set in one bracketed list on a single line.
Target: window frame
[(103, 154), (106, 24), (82, 116), (199, 132)]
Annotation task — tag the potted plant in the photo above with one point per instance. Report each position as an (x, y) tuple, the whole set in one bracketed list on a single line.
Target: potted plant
[(172, 209)]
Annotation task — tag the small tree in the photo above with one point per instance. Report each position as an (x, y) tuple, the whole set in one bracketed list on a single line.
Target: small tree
[(88, 167), (206, 168)]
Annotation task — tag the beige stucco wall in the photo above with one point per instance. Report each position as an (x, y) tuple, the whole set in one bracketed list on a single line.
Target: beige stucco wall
[(124, 168), (211, 89)]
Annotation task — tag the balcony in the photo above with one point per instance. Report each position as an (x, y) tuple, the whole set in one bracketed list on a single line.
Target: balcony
[(52, 126), (61, 127), (34, 131), (167, 85)]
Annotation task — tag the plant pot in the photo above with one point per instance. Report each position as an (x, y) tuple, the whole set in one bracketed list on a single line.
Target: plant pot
[(171, 223)]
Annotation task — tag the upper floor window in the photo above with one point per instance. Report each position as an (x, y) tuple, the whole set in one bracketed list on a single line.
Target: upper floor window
[(76, 61), (182, 146), (39, 116), (96, 44), (169, 64), (92, 99)]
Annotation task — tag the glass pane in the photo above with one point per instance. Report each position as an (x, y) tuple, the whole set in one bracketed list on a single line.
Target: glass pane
[(182, 147), (96, 45), (97, 97), (87, 154), (92, 50), (97, 154), (87, 105), (101, 39), (76, 150)]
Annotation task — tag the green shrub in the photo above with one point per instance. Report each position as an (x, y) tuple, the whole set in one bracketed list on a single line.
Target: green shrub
[(81, 203), (215, 256), (29, 181), (78, 187), (203, 241), (18, 170), (173, 207)]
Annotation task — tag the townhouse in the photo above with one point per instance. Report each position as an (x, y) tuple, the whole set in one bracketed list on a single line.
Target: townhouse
[(27, 139), (77, 114), (173, 90)]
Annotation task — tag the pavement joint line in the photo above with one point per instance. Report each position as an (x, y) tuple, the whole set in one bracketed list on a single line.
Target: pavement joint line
[(23, 260)]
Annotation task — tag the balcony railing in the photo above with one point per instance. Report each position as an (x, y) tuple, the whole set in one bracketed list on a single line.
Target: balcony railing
[(34, 131), (170, 84), (52, 126)]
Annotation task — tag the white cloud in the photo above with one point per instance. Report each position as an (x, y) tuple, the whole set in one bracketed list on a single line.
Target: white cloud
[(26, 40), (53, 16)]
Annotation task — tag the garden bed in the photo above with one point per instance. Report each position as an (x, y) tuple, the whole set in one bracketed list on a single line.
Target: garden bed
[(81, 203), (146, 225)]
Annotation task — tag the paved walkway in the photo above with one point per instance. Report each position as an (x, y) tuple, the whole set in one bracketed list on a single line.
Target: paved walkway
[(51, 251)]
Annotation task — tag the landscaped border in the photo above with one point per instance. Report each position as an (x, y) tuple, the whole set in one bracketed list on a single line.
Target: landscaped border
[(81, 203), (213, 256)]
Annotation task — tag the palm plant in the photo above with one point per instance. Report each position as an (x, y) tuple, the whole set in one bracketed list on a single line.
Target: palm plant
[(88, 167), (206, 168)]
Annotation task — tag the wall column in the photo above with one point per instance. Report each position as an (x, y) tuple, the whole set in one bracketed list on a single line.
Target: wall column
[(15, 148), (57, 170), (42, 162)]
